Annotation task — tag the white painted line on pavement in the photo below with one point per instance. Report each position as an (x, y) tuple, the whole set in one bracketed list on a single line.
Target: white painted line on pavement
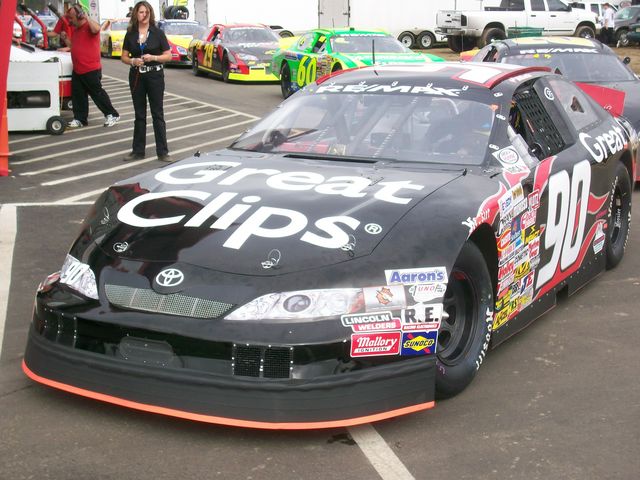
[(110, 131), (139, 162), (8, 230), (379, 453), (127, 140), (80, 196)]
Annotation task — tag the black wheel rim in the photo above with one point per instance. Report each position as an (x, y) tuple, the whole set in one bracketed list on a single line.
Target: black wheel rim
[(617, 210), (456, 331)]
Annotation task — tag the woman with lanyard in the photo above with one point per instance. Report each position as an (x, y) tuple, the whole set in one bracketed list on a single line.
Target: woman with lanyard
[(145, 48)]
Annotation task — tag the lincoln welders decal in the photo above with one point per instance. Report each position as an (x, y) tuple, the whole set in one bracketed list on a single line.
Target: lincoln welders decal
[(225, 209), (375, 344), (371, 322)]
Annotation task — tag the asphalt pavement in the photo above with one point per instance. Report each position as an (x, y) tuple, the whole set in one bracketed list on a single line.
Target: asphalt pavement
[(560, 400)]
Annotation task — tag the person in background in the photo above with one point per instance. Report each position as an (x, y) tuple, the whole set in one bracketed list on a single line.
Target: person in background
[(145, 48), (63, 29), (86, 79), (608, 24)]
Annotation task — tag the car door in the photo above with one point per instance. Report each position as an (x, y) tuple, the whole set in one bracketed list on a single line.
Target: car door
[(307, 48), (566, 191)]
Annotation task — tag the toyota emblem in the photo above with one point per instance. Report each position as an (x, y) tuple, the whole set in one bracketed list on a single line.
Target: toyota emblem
[(169, 277)]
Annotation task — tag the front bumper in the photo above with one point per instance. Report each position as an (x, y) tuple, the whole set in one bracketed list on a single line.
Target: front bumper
[(202, 389)]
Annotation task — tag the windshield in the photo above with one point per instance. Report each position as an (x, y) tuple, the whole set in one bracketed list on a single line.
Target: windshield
[(180, 28), (408, 128), (365, 43), (626, 13), (578, 67), (250, 35)]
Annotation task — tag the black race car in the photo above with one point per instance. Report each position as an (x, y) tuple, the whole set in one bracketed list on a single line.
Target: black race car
[(583, 60), (350, 258)]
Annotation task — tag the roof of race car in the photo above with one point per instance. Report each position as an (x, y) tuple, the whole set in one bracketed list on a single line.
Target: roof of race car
[(241, 25), (348, 31), (556, 44), (441, 73)]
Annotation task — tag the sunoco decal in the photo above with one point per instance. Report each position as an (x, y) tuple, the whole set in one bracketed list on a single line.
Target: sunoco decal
[(375, 344), (419, 343), (414, 276)]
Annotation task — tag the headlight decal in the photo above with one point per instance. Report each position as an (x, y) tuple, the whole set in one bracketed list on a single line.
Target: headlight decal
[(79, 277)]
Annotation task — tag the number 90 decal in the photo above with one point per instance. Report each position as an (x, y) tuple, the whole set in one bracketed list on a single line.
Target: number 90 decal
[(306, 71), (568, 199)]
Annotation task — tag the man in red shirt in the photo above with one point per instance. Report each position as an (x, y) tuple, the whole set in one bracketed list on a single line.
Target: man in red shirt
[(86, 79)]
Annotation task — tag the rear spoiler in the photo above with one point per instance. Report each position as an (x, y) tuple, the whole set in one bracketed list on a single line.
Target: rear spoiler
[(610, 99)]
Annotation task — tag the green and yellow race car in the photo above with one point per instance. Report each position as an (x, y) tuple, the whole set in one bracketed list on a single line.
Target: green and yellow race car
[(321, 51)]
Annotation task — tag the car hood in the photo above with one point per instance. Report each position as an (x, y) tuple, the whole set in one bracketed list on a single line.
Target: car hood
[(362, 59), (180, 40), (263, 51), (259, 214), (631, 99)]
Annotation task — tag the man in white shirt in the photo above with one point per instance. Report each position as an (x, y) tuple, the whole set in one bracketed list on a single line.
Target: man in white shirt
[(608, 24)]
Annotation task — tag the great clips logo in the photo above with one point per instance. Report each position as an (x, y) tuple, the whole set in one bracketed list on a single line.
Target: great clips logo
[(245, 212)]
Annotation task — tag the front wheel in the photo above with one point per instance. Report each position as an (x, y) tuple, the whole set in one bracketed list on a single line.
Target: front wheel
[(407, 39), (491, 35), (110, 49), (622, 40), (619, 217), (285, 81), (195, 65), (465, 333), (225, 69)]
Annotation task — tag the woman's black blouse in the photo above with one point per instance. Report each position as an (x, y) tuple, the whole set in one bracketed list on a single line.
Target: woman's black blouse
[(156, 43)]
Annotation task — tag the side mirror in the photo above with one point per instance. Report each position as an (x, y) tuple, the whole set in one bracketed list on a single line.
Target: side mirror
[(626, 60)]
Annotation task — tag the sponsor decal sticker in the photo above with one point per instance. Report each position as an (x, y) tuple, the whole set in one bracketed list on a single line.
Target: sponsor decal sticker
[(384, 297), (419, 343), (598, 239), (375, 344), (421, 317), (427, 292), (370, 322), (415, 276)]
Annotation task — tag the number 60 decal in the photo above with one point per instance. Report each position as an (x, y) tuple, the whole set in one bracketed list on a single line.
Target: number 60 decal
[(567, 198)]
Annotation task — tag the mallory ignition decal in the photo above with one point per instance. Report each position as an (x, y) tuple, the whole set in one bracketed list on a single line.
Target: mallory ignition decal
[(375, 344), (225, 209)]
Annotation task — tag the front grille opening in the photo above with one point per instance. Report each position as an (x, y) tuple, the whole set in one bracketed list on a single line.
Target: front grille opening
[(262, 361)]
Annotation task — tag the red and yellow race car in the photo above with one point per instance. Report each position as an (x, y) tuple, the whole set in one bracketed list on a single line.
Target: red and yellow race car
[(112, 34), (236, 52), (180, 33)]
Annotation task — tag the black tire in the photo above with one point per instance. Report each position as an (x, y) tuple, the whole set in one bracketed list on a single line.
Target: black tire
[(407, 39), (463, 338), (181, 12), (491, 34), (285, 80), (285, 34), (619, 220), (426, 40), (455, 43), (336, 68), (110, 49), (621, 38), (56, 125), (225, 68), (585, 31), (195, 65), (168, 12), (67, 104)]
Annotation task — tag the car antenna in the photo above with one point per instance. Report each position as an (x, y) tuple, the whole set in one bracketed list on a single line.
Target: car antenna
[(373, 51)]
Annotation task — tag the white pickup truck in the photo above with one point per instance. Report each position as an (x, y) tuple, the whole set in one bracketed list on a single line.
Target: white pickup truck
[(466, 29)]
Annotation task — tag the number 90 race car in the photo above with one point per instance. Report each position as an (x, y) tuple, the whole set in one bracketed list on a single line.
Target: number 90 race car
[(349, 258)]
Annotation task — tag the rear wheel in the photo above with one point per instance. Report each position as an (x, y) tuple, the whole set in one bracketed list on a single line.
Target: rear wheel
[(286, 34), (492, 34), (464, 336), (459, 43), (619, 217), (285, 81), (585, 31), (426, 40), (407, 39), (56, 125)]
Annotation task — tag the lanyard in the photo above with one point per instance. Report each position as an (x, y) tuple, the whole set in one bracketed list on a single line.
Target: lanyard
[(143, 44)]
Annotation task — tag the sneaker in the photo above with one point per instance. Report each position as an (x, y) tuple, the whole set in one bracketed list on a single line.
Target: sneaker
[(133, 156), (75, 124), (165, 158), (111, 120)]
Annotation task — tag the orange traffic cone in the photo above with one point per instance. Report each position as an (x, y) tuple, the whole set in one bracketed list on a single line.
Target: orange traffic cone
[(4, 144)]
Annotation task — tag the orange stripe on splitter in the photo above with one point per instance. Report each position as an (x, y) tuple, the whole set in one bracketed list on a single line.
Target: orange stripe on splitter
[(224, 420)]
